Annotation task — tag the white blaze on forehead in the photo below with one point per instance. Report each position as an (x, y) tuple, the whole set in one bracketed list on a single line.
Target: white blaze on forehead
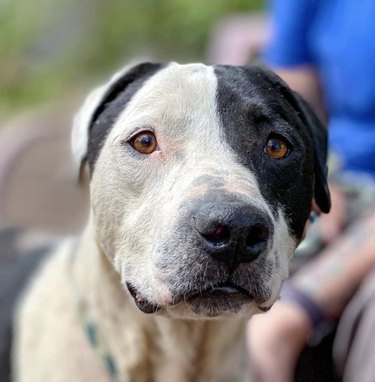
[(179, 93)]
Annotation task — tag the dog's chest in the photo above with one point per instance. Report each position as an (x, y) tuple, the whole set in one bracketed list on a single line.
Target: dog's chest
[(200, 351)]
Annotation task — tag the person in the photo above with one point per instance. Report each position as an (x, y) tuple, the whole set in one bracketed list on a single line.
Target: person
[(324, 50)]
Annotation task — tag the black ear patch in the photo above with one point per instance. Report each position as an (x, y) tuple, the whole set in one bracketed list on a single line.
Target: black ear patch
[(113, 103), (319, 136), (318, 133)]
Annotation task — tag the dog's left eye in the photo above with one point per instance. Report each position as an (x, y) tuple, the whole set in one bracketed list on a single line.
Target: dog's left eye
[(277, 147), (144, 142)]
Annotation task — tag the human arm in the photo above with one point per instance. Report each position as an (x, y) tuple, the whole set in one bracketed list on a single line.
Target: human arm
[(331, 278)]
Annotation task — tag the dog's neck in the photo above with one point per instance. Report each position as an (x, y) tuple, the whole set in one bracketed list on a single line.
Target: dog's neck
[(152, 347)]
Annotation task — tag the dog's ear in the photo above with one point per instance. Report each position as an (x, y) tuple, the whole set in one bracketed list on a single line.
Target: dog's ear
[(84, 118), (97, 101), (319, 135)]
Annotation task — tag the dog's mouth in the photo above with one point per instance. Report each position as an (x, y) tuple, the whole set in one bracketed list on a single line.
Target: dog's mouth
[(220, 290), (223, 296), (218, 299)]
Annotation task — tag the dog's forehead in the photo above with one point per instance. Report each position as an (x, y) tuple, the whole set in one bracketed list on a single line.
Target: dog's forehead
[(172, 99), (191, 98), (253, 94), (192, 92)]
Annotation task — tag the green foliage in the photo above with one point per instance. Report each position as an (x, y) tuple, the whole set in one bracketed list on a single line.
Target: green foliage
[(47, 46)]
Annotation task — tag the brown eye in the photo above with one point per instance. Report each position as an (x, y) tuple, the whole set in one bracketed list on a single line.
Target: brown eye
[(277, 148), (144, 143)]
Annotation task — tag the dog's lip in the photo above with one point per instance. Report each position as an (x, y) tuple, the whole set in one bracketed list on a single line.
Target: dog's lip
[(142, 303), (227, 289), (221, 290)]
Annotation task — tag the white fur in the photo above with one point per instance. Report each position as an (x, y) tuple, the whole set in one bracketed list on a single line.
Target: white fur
[(50, 344)]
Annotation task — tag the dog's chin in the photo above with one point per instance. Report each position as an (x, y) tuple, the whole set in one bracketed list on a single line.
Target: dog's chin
[(221, 300), (217, 303)]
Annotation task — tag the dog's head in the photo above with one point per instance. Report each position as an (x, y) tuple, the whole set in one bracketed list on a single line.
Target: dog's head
[(202, 180)]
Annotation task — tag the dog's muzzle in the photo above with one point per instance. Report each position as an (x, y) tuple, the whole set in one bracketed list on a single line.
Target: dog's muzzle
[(210, 259)]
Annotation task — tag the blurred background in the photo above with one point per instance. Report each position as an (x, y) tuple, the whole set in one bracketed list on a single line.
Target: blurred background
[(52, 53)]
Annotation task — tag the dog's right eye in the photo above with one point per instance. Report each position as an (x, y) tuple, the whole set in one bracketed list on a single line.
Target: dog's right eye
[(277, 147), (144, 142)]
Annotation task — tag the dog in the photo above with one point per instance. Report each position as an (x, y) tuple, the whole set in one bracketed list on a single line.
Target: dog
[(202, 179)]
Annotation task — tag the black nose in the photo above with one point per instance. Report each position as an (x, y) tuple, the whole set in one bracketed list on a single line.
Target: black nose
[(232, 232)]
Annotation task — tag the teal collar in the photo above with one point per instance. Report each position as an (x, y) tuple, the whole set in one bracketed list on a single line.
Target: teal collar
[(92, 333)]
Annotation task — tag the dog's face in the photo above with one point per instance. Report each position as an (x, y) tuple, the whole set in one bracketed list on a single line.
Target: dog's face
[(202, 180)]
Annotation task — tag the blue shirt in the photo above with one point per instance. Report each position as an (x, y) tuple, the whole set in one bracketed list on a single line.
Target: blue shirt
[(338, 38)]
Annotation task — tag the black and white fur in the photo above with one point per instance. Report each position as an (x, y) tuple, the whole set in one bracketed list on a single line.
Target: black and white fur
[(148, 246)]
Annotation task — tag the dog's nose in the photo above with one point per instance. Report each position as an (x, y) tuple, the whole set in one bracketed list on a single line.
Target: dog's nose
[(233, 232)]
